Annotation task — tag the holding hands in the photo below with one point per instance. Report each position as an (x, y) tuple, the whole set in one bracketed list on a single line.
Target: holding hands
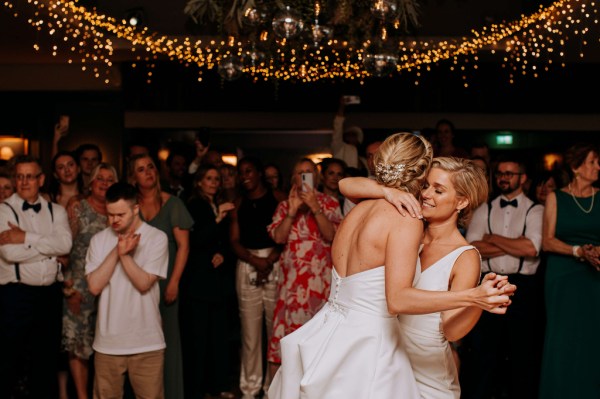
[(494, 292)]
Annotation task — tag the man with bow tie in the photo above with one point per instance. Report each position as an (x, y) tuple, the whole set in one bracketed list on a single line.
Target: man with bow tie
[(507, 231), (33, 233)]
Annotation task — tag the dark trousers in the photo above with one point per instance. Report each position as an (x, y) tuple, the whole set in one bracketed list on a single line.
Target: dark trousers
[(205, 344), (501, 356), (30, 335)]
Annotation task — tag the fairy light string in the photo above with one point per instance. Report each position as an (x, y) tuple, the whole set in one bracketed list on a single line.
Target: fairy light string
[(527, 46)]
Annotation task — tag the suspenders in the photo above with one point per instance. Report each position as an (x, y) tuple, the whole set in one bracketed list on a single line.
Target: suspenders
[(17, 270), (521, 259)]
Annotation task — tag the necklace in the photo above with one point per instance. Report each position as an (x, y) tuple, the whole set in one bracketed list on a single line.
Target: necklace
[(578, 204)]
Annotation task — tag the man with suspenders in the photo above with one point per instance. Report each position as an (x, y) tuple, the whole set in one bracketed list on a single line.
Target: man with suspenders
[(507, 231), (33, 232)]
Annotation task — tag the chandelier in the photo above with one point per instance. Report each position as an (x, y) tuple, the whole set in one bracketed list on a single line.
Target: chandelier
[(280, 29)]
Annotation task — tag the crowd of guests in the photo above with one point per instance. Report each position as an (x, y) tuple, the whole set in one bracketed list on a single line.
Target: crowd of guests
[(237, 257)]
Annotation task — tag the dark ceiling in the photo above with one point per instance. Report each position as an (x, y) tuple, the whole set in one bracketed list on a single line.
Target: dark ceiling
[(485, 88)]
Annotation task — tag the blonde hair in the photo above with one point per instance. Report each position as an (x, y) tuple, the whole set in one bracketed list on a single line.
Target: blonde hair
[(106, 166), (468, 180), (402, 161)]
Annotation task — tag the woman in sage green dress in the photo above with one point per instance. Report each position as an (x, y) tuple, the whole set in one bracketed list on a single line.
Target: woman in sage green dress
[(571, 237), (169, 214)]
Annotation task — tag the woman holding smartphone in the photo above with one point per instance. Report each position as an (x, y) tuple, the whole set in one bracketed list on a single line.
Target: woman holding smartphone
[(305, 224)]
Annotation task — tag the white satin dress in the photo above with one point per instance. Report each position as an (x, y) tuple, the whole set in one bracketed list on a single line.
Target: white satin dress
[(352, 348), (427, 347)]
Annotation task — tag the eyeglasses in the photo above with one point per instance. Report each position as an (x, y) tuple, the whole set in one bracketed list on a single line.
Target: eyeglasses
[(508, 175), (21, 177)]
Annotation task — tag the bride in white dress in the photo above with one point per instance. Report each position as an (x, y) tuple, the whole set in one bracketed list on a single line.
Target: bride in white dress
[(446, 262), (352, 348)]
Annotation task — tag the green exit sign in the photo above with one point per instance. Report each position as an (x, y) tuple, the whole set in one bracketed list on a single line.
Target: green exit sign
[(504, 139)]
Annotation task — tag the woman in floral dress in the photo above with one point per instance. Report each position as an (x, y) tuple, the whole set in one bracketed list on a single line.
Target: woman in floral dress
[(305, 223), (86, 217)]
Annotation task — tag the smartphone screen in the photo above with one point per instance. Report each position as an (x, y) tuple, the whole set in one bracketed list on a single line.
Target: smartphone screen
[(307, 178)]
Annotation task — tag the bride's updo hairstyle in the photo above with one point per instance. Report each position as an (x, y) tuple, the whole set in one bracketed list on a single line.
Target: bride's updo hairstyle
[(402, 161)]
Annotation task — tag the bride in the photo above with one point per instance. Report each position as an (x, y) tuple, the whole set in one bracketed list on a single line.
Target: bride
[(353, 347)]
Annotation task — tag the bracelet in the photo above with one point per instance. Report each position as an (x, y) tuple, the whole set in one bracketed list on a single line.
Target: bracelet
[(575, 249), (319, 212), (290, 216)]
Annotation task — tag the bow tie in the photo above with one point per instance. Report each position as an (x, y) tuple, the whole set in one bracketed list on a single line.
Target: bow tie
[(504, 203), (35, 207)]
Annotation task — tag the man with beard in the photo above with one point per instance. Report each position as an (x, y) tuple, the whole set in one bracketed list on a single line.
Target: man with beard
[(507, 231)]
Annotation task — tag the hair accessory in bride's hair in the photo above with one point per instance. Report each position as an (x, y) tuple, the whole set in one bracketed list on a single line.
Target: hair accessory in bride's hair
[(388, 173)]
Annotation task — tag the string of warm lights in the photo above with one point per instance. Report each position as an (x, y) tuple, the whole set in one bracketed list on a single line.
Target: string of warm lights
[(527, 46)]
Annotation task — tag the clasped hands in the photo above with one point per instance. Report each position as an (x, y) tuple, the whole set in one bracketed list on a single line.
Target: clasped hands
[(591, 254), (127, 243), (494, 292)]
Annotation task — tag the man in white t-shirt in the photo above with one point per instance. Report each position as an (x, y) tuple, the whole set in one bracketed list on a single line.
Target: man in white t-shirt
[(123, 265)]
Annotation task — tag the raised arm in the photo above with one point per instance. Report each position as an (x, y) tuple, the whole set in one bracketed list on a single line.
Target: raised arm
[(358, 188)]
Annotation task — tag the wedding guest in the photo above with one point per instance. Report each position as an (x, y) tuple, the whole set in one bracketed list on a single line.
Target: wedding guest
[(35, 233), (305, 225), (123, 265), (257, 270), (169, 214), (87, 216), (571, 239), (207, 287)]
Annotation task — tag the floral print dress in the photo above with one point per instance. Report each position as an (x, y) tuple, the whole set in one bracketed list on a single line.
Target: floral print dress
[(79, 329), (305, 270)]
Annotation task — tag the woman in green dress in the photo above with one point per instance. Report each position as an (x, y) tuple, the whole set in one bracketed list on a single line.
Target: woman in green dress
[(571, 237), (169, 214)]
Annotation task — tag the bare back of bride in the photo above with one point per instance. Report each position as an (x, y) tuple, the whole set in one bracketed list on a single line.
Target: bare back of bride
[(353, 346)]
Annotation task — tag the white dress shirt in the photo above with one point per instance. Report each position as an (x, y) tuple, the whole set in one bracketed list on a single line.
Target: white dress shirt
[(509, 222), (46, 237)]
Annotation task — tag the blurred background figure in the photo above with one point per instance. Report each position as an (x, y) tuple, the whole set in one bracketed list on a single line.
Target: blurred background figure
[(169, 214), (274, 178), (87, 156), (175, 181), (346, 140), (7, 187), (229, 182), (445, 135), (66, 181), (571, 238), (332, 171), (305, 225), (87, 216), (546, 182), (207, 290)]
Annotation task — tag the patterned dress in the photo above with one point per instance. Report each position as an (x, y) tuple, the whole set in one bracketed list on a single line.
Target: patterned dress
[(305, 268), (78, 329)]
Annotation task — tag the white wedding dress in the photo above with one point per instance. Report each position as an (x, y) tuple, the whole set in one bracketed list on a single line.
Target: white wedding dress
[(427, 347), (352, 348)]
